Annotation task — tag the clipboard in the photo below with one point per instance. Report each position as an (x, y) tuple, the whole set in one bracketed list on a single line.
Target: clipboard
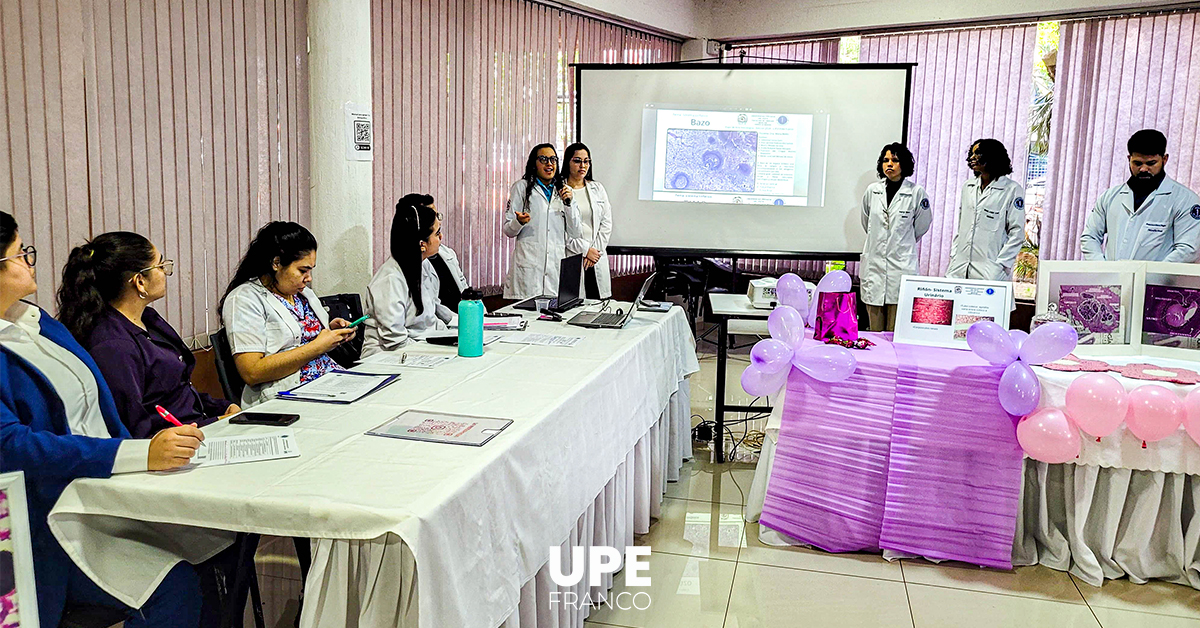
[(315, 390), (440, 427)]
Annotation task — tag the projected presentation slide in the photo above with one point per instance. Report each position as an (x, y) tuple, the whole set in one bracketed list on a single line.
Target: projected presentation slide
[(736, 156)]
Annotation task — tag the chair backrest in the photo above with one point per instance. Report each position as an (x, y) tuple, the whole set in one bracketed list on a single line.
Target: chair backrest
[(87, 616), (347, 306), (231, 380)]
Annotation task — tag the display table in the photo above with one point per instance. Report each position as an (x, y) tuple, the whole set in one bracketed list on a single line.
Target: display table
[(1123, 511), (727, 311), (412, 533)]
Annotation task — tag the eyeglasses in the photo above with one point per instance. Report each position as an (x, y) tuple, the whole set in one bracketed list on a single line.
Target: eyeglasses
[(167, 266), (581, 162), (543, 159), (29, 253)]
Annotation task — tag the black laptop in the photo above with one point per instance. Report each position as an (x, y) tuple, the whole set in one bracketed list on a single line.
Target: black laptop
[(570, 276)]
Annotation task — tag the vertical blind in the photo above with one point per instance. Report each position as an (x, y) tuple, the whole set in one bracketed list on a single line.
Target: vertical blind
[(1116, 76), (184, 122), (969, 84), (462, 90)]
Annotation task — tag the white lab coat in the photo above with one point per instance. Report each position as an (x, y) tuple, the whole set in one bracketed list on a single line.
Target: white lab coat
[(393, 311), (892, 233), (1164, 229), (991, 230), (256, 321), (451, 258), (541, 244), (601, 232)]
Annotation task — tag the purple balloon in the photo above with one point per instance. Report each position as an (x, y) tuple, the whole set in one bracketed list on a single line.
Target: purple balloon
[(791, 291), (835, 281), (1020, 390), (771, 355), (826, 363), (1049, 342), (992, 343), (1018, 337), (785, 324), (759, 384)]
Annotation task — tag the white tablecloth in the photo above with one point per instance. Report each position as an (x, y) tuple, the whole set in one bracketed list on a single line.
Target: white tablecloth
[(477, 521)]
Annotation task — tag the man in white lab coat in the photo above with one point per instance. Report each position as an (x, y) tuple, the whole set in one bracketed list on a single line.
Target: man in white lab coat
[(1149, 217), (991, 217)]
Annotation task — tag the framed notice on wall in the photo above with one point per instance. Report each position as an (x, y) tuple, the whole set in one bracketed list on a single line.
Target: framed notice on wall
[(937, 311), (1096, 298)]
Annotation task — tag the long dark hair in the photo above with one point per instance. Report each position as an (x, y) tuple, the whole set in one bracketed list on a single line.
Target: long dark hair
[(530, 178), (565, 170), (994, 156), (902, 154), (287, 241), (411, 225), (95, 275), (8, 231)]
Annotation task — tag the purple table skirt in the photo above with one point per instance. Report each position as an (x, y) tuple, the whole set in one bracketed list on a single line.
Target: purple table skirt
[(912, 453)]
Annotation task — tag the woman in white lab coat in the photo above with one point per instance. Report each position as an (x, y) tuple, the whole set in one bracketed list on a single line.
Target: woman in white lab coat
[(991, 217), (278, 330), (895, 214), (402, 298), (595, 219), (449, 271), (542, 223)]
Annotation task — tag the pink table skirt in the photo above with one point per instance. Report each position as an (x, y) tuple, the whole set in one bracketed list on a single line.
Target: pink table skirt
[(912, 453)]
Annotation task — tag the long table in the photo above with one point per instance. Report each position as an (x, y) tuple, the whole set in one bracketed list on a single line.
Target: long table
[(459, 533)]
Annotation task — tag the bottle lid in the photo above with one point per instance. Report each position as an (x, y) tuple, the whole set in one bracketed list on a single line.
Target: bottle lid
[(471, 294)]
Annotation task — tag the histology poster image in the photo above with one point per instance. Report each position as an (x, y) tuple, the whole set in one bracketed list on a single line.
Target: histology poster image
[(1094, 311), (938, 311), (929, 311), (711, 161), (1171, 316), (963, 322)]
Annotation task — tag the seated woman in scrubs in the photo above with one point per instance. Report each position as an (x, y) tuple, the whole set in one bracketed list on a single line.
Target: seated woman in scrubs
[(104, 300), (402, 298), (279, 332), (58, 423)]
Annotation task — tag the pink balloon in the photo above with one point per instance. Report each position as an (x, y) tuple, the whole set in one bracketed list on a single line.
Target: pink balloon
[(791, 291), (1154, 412), (771, 355), (1097, 403), (826, 363), (761, 384), (1048, 435), (1191, 421), (785, 324)]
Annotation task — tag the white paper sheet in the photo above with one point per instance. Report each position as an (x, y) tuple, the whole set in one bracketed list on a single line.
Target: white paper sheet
[(225, 450), (546, 340), (407, 360), (457, 429), (337, 387)]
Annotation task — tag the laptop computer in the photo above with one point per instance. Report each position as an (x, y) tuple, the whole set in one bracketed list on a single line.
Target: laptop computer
[(612, 320), (570, 276)]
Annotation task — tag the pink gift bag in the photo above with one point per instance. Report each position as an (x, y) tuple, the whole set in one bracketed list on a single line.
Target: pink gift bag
[(837, 316)]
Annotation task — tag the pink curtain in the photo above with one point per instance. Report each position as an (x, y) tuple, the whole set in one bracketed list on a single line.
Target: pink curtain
[(968, 84), (462, 90), (185, 122), (1116, 76)]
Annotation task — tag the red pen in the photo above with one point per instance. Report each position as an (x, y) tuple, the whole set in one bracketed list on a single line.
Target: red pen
[(167, 416)]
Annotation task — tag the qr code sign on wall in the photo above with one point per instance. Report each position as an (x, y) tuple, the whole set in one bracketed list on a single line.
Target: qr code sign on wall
[(362, 134)]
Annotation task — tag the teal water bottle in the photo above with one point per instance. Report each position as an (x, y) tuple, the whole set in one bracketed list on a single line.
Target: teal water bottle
[(470, 324)]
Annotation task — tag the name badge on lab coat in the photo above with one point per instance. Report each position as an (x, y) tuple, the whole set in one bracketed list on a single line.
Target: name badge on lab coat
[(1156, 227)]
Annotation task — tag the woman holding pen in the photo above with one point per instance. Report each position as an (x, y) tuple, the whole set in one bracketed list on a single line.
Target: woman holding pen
[(542, 222)]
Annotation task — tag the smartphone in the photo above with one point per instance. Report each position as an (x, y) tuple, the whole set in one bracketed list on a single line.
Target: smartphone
[(357, 322), (274, 419)]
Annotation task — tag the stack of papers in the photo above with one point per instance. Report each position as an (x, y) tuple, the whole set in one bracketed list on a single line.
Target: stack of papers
[(339, 387), (223, 450), (546, 340), (437, 427), (504, 323), (406, 360)]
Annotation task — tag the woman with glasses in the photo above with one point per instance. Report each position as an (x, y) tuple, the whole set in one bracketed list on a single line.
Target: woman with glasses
[(542, 222), (104, 300), (402, 298), (991, 217), (58, 422), (595, 219)]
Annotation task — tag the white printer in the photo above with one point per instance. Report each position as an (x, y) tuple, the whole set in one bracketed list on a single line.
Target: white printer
[(762, 293)]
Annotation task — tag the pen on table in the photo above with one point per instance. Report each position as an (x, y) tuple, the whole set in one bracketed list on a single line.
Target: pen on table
[(403, 357), (167, 416)]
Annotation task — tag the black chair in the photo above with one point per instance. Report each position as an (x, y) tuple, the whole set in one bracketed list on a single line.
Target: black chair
[(347, 306), (87, 616), (231, 382)]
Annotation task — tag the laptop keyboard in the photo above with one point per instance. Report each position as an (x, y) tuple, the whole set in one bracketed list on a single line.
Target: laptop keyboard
[(608, 318)]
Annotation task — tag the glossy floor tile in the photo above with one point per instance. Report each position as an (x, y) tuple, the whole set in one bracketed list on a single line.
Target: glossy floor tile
[(685, 592), (1162, 598), (774, 596), (939, 607), (693, 528), (1113, 618), (861, 564), (1035, 581), (702, 480)]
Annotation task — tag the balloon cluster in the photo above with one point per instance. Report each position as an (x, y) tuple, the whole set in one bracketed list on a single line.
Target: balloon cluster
[(771, 359), (1020, 390), (1097, 404)]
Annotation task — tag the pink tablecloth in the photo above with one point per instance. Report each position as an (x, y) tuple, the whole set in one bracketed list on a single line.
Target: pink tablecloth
[(912, 453)]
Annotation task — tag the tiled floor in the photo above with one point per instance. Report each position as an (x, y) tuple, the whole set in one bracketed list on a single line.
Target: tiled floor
[(708, 569)]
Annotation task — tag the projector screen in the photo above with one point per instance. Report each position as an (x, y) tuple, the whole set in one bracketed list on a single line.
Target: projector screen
[(752, 160)]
